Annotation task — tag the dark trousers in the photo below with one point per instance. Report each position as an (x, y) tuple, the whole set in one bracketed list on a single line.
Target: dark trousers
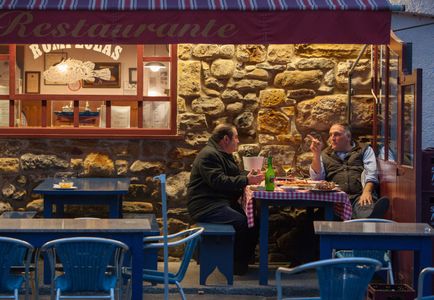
[(362, 212), (245, 238)]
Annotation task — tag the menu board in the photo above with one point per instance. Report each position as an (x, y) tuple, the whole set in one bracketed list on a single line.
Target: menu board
[(4, 113), (156, 114), (120, 116)]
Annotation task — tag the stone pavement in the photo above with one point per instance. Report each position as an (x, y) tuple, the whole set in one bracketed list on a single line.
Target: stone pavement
[(244, 287)]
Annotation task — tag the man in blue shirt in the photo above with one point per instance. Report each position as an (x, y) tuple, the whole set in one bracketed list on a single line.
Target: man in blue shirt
[(353, 167)]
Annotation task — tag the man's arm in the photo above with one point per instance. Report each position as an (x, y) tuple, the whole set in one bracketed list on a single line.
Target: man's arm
[(371, 176), (213, 173), (316, 170)]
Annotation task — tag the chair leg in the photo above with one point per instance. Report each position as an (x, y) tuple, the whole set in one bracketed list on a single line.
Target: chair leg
[(181, 291), (128, 290), (390, 278), (112, 294), (16, 294), (58, 294)]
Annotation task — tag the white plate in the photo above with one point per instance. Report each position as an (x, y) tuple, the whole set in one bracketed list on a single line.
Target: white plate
[(56, 186), (325, 191), (295, 187)]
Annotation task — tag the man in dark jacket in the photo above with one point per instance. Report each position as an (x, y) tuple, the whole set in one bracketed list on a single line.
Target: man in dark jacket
[(216, 184), (344, 162)]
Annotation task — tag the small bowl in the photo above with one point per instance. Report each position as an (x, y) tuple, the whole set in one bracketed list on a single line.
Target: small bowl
[(66, 184)]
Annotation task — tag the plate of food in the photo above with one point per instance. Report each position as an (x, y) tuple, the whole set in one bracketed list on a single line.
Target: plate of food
[(64, 187), (257, 188), (325, 186)]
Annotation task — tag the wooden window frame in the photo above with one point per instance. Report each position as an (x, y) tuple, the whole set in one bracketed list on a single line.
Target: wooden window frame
[(139, 132)]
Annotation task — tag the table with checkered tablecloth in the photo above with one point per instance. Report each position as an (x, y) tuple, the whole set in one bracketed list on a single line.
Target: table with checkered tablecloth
[(341, 204), (334, 202)]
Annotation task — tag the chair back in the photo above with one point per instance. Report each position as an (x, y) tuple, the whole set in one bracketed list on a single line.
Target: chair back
[(189, 238), (345, 278), (13, 252), (381, 255), (85, 260), (424, 279), (190, 245)]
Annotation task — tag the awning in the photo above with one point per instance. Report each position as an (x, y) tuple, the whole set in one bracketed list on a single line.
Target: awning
[(195, 21)]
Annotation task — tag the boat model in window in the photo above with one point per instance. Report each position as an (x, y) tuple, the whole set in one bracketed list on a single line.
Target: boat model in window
[(85, 117)]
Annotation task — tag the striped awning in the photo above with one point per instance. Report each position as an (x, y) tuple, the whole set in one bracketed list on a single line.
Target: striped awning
[(195, 21), (215, 5)]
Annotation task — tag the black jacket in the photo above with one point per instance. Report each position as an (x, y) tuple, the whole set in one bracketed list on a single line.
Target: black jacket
[(215, 181)]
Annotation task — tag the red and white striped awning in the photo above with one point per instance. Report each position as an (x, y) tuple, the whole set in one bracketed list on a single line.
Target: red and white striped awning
[(195, 21)]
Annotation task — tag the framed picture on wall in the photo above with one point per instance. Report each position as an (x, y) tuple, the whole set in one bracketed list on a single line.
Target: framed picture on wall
[(32, 84), (52, 59), (132, 75), (115, 76)]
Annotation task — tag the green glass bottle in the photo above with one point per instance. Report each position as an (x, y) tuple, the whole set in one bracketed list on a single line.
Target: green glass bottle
[(269, 176)]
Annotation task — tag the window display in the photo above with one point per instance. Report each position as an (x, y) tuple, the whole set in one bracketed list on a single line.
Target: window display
[(82, 88)]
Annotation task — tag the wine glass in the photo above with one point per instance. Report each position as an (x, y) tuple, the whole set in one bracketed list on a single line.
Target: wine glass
[(287, 167)]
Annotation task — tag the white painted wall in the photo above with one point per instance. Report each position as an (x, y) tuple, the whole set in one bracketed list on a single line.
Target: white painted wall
[(420, 12), (127, 60), (420, 7)]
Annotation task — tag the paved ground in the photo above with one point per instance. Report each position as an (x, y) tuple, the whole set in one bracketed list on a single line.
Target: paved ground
[(244, 287)]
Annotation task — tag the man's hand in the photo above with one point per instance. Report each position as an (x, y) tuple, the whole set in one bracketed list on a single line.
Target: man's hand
[(365, 198), (315, 145), (255, 177)]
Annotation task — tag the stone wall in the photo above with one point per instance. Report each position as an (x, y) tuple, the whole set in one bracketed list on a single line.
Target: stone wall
[(274, 94)]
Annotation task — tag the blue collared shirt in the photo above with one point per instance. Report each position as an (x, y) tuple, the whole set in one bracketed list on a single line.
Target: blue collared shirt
[(369, 164)]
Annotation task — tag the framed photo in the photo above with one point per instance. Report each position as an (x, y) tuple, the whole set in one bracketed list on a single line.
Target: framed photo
[(51, 59), (32, 84), (132, 75), (113, 82)]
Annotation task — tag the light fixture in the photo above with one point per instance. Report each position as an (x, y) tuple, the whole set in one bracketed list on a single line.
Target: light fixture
[(155, 66)]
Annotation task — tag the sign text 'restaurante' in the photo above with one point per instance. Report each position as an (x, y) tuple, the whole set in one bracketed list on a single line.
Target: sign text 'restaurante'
[(22, 24)]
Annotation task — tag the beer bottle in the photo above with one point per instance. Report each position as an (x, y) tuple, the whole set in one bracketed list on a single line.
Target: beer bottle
[(269, 176)]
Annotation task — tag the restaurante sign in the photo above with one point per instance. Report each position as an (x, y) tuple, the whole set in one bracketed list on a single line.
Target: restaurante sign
[(53, 26), (113, 52), (96, 26)]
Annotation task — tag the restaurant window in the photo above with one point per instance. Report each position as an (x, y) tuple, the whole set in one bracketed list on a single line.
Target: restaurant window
[(85, 91)]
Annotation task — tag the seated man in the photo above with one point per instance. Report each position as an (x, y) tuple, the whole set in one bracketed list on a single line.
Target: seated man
[(215, 186), (343, 162)]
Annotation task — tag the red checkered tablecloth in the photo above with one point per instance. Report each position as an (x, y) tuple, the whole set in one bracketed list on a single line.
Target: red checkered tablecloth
[(342, 205)]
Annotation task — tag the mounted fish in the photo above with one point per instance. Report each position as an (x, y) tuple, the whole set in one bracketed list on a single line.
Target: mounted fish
[(72, 70)]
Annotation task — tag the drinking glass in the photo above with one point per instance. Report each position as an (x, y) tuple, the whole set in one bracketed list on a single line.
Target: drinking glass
[(288, 168), (64, 179)]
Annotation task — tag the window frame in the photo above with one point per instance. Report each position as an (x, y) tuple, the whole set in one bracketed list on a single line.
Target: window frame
[(44, 131)]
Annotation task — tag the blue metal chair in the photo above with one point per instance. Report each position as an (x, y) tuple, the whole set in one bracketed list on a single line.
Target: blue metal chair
[(89, 264), (187, 238), (14, 252), (385, 257), (420, 284), (339, 279)]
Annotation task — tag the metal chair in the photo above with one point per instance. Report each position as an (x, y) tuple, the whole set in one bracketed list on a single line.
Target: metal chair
[(187, 238), (14, 252), (385, 257), (89, 264), (420, 284), (339, 279)]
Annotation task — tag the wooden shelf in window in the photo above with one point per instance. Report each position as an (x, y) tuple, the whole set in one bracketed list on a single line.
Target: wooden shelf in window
[(89, 133)]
